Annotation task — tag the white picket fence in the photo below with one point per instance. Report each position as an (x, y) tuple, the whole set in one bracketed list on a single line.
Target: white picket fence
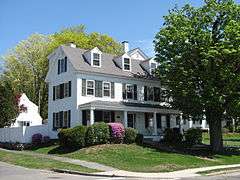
[(22, 134)]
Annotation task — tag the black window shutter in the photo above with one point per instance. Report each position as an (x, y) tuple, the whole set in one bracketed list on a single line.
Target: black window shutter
[(83, 87), (69, 88), (124, 90), (135, 91), (54, 94), (156, 94), (69, 118), (112, 90), (84, 117), (98, 88), (54, 120), (59, 66), (168, 120), (145, 93), (61, 119), (65, 64), (146, 120), (159, 121), (61, 91)]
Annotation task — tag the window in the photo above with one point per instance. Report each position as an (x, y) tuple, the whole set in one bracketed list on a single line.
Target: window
[(153, 66), (61, 119), (90, 87), (126, 64), (131, 120), (96, 59), (62, 90), (106, 89), (62, 65), (157, 94), (129, 91), (150, 93)]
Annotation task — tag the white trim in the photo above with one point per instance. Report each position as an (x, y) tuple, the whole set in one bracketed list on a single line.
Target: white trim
[(92, 59), (109, 89), (123, 64), (87, 88)]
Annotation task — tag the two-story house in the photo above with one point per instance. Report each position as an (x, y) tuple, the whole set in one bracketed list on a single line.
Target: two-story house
[(88, 86)]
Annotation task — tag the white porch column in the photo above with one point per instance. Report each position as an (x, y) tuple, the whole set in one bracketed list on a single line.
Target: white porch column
[(190, 122), (181, 123), (91, 116), (155, 123), (125, 122)]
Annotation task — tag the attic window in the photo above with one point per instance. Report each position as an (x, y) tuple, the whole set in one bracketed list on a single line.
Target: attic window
[(153, 66), (126, 64), (96, 59)]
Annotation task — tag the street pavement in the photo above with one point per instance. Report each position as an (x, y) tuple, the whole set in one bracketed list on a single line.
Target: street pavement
[(12, 172)]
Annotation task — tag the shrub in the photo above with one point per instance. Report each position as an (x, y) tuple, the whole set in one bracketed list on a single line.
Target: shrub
[(172, 136), (193, 136), (139, 139), (130, 135), (116, 132), (37, 139), (73, 138), (98, 133), (46, 139)]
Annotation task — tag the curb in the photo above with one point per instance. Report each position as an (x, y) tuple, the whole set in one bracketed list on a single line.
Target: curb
[(84, 174)]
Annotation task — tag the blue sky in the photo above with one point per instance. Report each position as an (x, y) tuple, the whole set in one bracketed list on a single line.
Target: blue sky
[(134, 20)]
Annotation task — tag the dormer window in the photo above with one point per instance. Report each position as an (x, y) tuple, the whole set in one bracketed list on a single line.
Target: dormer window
[(126, 64), (96, 59), (62, 65), (153, 66)]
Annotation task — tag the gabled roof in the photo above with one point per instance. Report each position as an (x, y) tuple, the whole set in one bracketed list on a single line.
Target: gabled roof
[(138, 50), (77, 59)]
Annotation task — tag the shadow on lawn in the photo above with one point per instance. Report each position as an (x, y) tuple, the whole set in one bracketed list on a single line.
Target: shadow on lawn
[(61, 150), (201, 150)]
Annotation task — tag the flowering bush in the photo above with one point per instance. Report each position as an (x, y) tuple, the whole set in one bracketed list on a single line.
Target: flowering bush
[(117, 132), (37, 139)]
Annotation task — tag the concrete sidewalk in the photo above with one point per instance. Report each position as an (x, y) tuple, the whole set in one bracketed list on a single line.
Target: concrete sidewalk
[(187, 173)]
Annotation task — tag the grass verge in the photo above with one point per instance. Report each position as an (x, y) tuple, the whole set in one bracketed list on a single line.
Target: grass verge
[(141, 159), (229, 139), (40, 163)]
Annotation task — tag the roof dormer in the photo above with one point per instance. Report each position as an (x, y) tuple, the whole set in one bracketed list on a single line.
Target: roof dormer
[(124, 62), (150, 65), (94, 57)]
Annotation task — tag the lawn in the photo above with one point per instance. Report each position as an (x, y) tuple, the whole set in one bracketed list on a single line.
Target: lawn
[(39, 163), (141, 159), (229, 139)]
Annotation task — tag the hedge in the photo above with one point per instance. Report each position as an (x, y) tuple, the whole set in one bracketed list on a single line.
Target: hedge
[(193, 136), (130, 135)]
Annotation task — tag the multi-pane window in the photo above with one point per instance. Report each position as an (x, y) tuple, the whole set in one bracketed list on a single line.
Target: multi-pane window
[(90, 87), (129, 91), (152, 93), (126, 64), (96, 59), (62, 90), (62, 65), (61, 119), (153, 66), (106, 89)]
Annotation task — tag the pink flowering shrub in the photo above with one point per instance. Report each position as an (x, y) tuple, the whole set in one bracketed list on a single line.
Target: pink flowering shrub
[(117, 132)]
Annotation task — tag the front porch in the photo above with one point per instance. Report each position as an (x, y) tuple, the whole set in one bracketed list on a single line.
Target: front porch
[(149, 120)]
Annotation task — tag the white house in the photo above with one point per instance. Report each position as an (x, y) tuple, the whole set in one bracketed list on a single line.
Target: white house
[(87, 86), (28, 115)]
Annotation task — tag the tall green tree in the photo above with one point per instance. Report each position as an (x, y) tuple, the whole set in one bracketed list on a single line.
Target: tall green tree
[(8, 103), (26, 65), (199, 54)]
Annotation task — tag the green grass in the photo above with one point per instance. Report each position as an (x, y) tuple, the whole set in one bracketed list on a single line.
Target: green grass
[(39, 163), (141, 159), (229, 139)]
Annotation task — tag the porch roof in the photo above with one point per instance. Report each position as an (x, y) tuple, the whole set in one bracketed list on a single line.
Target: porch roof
[(127, 106)]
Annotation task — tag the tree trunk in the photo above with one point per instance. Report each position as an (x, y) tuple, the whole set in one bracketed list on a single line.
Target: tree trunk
[(214, 119)]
